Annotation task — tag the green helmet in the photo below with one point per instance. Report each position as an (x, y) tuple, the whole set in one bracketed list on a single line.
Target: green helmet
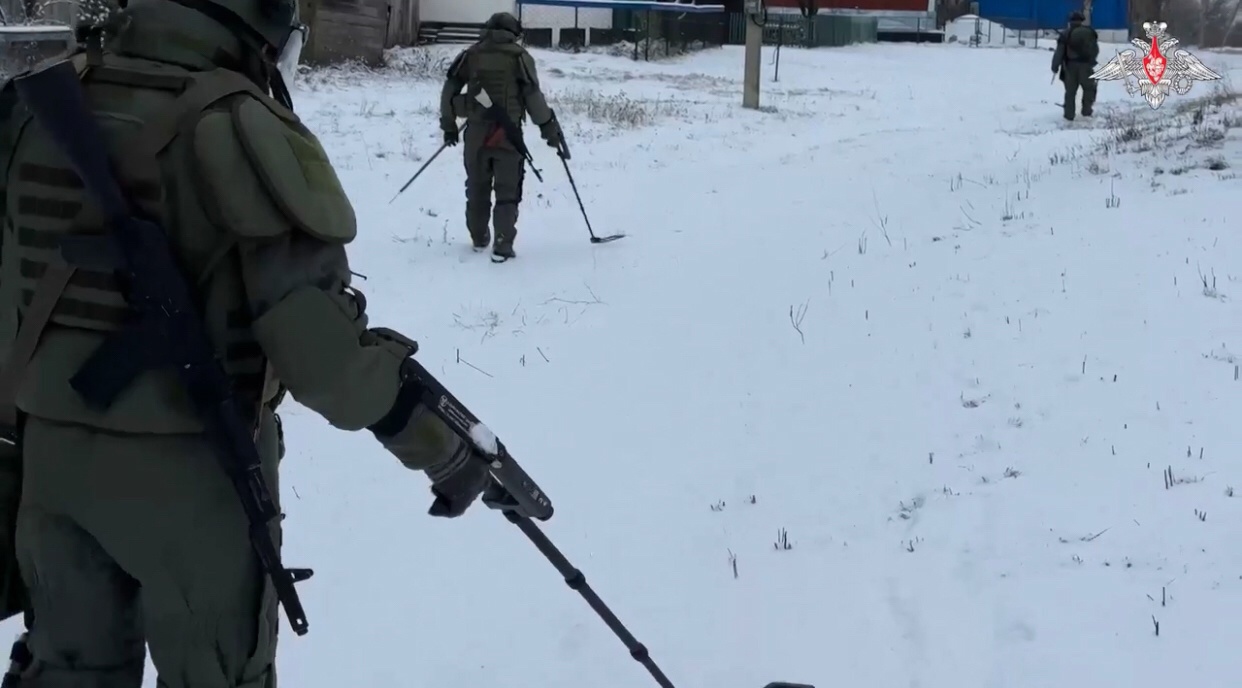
[(504, 22), (271, 27)]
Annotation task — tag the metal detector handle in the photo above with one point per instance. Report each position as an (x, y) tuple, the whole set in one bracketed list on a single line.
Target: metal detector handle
[(562, 148), (518, 493)]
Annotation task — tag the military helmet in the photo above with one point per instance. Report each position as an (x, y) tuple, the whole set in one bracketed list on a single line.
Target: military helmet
[(1077, 16), (269, 25), (505, 22)]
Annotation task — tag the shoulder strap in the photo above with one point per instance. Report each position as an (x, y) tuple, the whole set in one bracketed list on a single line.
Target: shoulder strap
[(38, 313), (207, 88)]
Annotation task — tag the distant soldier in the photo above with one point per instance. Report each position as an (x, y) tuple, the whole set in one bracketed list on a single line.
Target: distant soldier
[(1078, 48), (500, 68)]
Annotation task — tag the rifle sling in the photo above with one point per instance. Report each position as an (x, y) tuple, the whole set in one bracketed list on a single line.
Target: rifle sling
[(150, 141)]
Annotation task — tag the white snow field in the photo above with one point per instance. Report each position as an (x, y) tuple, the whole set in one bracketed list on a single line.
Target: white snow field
[(906, 321), (884, 388)]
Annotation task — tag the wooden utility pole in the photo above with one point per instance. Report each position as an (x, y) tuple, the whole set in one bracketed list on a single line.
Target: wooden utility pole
[(754, 52)]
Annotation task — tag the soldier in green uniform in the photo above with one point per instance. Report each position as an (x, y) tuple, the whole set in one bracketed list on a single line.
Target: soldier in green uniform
[(1078, 49), (503, 70), (128, 531)]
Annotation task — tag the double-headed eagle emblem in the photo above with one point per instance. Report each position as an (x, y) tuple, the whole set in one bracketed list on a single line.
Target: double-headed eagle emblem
[(1156, 69)]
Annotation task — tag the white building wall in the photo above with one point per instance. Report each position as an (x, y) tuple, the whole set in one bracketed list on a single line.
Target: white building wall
[(463, 11), (557, 18)]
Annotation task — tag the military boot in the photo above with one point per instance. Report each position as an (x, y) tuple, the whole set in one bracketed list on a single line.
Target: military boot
[(502, 253)]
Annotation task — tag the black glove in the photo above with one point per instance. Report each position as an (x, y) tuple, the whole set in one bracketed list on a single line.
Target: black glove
[(458, 482), (451, 137), (551, 133), (423, 442)]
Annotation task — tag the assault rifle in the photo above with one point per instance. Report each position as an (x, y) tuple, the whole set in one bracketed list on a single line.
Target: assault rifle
[(166, 330), (513, 132)]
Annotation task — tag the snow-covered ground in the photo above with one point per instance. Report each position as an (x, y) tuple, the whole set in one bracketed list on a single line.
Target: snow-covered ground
[(971, 29), (884, 388)]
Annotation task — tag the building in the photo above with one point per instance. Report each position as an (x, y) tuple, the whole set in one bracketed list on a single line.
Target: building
[(547, 22), (357, 29), (457, 21), (17, 12), (898, 20), (463, 11), (1026, 15)]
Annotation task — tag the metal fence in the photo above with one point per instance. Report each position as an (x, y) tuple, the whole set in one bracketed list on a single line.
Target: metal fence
[(32, 31), (1001, 31), (38, 12), (644, 30), (664, 34), (835, 29), (823, 30)]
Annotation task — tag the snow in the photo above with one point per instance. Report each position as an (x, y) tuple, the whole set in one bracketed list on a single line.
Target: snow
[(57, 29), (880, 390), (484, 439), (971, 29)]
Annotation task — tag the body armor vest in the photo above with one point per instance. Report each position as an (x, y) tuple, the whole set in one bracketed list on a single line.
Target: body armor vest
[(136, 101)]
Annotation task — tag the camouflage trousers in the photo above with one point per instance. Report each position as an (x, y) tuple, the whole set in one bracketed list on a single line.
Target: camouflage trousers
[(130, 541), (502, 170), (1078, 75)]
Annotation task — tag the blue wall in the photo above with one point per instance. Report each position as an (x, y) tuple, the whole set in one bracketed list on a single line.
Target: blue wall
[(1052, 14)]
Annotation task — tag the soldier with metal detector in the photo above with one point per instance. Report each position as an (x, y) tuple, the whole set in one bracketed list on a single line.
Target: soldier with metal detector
[(1078, 49), (167, 294), (500, 70), (158, 328)]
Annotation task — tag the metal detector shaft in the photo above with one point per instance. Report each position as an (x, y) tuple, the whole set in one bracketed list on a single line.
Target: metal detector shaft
[(577, 582), (426, 164), (515, 494), (522, 500), (563, 154), (420, 171)]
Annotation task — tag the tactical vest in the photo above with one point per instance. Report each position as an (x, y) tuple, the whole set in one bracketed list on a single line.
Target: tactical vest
[(497, 69), (65, 313), (1071, 47)]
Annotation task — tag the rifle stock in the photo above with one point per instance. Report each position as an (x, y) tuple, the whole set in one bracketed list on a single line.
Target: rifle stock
[(513, 132)]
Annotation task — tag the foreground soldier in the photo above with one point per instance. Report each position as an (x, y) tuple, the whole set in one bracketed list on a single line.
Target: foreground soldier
[(505, 71), (1078, 49), (128, 531)]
